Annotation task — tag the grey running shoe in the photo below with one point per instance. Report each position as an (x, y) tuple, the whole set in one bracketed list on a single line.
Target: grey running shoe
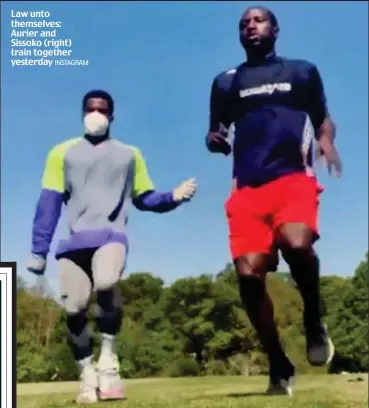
[(319, 347), (281, 377)]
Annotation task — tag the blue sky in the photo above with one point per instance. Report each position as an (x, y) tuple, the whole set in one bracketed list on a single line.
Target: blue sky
[(158, 61)]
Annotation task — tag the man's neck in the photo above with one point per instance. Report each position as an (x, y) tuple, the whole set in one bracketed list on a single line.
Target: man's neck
[(95, 140), (259, 56)]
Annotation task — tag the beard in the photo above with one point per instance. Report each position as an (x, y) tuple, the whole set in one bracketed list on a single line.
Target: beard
[(258, 45)]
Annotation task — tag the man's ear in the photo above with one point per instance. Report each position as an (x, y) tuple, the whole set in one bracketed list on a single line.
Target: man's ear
[(276, 32), (111, 118)]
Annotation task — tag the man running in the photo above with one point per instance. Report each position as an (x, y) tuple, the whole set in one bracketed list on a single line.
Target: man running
[(278, 106), (96, 177)]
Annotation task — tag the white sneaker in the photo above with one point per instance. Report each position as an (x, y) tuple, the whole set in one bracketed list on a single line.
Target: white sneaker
[(110, 383), (88, 386), (320, 348), (281, 377), (283, 387)]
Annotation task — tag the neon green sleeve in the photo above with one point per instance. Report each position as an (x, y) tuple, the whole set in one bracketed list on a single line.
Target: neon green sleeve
[(141, 179), (53, 176)]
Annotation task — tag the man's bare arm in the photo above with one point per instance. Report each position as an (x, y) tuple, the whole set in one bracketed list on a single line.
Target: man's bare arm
[(327, 129), (323, 123), (219, 122)]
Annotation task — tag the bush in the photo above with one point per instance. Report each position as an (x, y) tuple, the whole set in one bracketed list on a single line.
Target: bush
[(184, 367), (257, 363), (238, 364), (216, 367), (127, 369), (64, 368)]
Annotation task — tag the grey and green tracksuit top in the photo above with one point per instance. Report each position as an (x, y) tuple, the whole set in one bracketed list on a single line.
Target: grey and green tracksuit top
[(96, 183)]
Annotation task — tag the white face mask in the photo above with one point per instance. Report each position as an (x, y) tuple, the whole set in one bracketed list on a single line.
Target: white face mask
[(96, 124)]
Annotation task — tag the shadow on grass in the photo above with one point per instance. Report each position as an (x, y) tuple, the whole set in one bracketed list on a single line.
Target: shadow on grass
[(104, 402), (246, 394), (234, 395)]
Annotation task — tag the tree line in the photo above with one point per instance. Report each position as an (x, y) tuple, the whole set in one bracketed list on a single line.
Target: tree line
[(195, 326)]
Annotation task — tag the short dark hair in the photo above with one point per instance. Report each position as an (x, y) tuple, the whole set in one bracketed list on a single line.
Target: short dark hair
[(271, 15), (98, 93)]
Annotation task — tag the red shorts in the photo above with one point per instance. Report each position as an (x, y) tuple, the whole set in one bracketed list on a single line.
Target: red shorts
[(255, 214)]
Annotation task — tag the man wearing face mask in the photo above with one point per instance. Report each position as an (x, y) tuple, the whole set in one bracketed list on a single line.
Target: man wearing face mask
[(96, 177), (278, 106)]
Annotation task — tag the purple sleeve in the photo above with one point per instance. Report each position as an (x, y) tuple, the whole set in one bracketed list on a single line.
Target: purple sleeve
[(155, 202), (46, 218), (317, 101), (220, 102)]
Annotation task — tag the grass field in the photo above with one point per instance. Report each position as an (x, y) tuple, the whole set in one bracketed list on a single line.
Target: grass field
[(211, 392)]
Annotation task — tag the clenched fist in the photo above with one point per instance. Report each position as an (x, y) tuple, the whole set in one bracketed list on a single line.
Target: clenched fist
[(217, 142), (185, 191)]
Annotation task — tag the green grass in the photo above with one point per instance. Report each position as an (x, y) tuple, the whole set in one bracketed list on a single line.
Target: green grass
[(318, 391)]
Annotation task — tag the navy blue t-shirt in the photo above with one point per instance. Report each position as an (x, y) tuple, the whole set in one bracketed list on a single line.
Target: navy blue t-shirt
[(277, 109)]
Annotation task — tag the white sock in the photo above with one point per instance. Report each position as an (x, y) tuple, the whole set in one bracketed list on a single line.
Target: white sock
[(86, 362), (107, 344)]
